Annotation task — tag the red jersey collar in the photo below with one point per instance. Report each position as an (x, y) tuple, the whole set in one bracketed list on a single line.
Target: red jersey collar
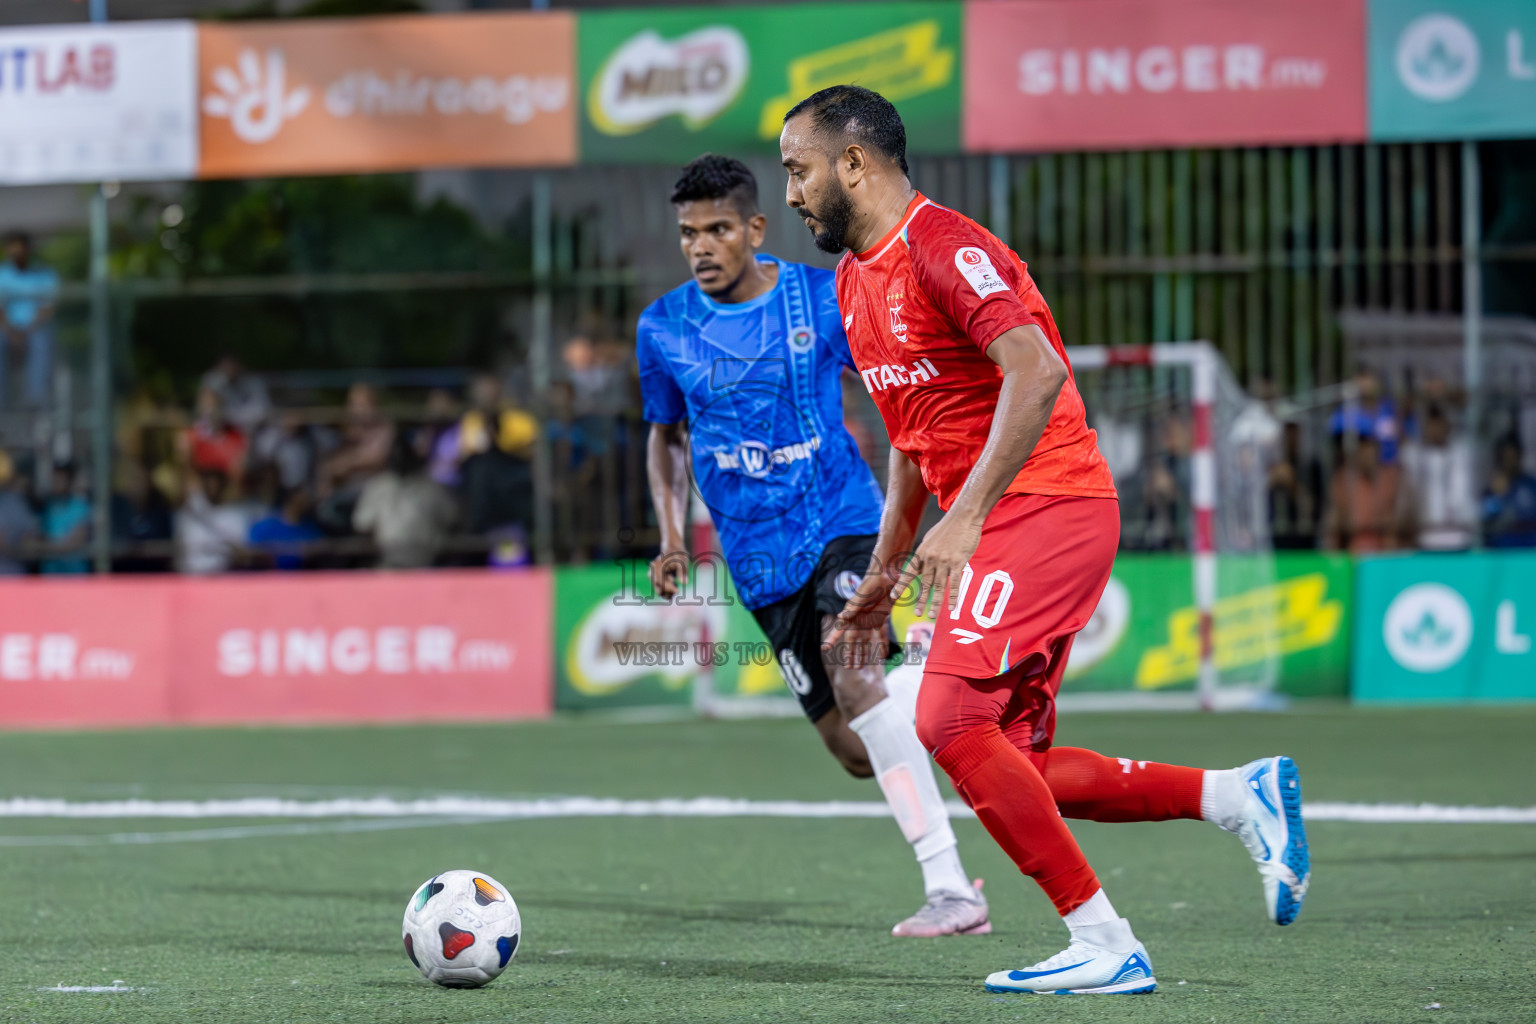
[(877, 250)]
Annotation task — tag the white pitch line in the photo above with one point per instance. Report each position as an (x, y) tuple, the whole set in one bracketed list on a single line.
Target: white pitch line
[(472, 808)]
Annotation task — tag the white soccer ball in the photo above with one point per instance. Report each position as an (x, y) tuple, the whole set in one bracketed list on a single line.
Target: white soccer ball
[(461, 929)]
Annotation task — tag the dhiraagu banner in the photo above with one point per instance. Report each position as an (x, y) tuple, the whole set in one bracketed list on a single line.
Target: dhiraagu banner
[(666, 84), (1446, 627)]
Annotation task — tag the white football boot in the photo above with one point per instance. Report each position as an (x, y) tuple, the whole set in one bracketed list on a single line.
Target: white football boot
[(1085, 967), (1270, 826)]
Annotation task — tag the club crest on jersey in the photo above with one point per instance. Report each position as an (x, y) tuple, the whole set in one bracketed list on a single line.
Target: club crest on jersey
[(801, 338), (898, 328), (976, 267)]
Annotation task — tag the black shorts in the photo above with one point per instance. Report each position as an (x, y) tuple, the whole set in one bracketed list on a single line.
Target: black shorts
[(793, 624)]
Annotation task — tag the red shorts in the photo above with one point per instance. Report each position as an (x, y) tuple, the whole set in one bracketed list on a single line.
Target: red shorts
[(1033, 583)]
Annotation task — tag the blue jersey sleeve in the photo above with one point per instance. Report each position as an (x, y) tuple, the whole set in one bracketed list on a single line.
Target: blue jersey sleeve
[(660, 398), (829, 318)]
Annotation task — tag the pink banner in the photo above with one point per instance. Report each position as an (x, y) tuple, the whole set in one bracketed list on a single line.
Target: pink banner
[(334, 647), (1046, 75)]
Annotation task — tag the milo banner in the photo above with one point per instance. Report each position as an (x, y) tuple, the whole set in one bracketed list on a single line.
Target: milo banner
[(1446, 627), (665, 84), (618, 646)]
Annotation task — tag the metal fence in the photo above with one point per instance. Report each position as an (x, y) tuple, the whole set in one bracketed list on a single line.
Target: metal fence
[(1257, 250)]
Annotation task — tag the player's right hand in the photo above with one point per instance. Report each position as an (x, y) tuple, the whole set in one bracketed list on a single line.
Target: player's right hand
[(861, 623), (669, 572)]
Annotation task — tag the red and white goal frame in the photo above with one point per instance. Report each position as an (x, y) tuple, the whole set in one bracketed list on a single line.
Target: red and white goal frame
[(1203, 362)]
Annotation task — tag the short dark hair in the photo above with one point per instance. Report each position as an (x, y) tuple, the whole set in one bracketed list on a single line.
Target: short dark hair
[(13, 237), (859, 115), (713, 176)]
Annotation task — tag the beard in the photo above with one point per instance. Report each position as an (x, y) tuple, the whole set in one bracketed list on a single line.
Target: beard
[(834, 217)]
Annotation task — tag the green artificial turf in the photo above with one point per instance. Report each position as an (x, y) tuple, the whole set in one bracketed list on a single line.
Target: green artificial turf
[(751, 919)]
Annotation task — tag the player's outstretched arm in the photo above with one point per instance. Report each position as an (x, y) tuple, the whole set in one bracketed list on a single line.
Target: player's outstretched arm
[(666, 469), (1033, 376)]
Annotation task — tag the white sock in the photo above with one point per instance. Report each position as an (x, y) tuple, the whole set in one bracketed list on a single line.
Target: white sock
[(902, 684), (1096, 923), (906, 778), (1097, 910), (1221, 797)]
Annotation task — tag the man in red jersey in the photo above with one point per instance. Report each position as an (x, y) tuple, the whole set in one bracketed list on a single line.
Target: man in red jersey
[(963, 359)]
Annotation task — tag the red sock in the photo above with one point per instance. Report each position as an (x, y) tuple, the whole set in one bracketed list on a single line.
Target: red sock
[(1017, 808), (1099, 788)]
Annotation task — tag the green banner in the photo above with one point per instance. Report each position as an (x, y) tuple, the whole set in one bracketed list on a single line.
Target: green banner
[(1279, 621), (1445, 627), (617, 646), (663, 85), (1452, 70)]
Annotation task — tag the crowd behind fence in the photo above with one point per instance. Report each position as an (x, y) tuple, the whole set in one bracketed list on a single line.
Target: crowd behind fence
[(1325, 276)]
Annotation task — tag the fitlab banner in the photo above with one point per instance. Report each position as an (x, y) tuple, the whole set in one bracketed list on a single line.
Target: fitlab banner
[(1445, 628), (1128, 74), (335, 647), (1453, 70), (666, 84), (386, 94), (98, 102)]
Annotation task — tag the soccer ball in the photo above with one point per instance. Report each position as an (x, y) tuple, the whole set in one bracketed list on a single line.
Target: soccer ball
[(461, 929)]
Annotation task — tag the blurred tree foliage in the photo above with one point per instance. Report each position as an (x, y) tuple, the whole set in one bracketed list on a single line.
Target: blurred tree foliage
[(305, 231)]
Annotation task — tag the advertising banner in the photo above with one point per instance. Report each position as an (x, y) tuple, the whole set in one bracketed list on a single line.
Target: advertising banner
[(1457, 70), (384, 94), (98, 103), (84, 652), (1445, 627), (1126, 74), (1280, 621), (666, 84), (342, 647)]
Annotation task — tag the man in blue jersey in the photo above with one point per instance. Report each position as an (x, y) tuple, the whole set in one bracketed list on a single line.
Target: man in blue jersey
[(740, 373)]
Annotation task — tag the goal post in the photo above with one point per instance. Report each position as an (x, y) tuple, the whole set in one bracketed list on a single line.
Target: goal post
[(1134, 394)]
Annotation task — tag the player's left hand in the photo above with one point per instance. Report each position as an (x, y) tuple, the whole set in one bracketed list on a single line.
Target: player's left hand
[(936, 566)]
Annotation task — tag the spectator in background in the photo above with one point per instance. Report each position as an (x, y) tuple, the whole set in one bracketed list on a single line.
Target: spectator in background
[(406, 512), (495, 451), (210, 532), (437, 439), (1370, 413), (67, 523), (212, 444), (18, 525), (285, 533), (598, 374), (1509, 505), (293, 448), (1363, 511), (365, 445), (29, 293), (1441, 508), (1295, 483), (244, 396)]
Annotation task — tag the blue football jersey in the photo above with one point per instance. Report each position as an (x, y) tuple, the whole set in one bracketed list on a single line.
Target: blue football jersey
[(759, 384)]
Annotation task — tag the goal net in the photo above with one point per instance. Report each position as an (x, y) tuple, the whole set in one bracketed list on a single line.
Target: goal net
[(1192, 613)]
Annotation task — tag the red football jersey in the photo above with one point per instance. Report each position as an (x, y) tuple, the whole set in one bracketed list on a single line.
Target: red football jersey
[(920, 307)]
